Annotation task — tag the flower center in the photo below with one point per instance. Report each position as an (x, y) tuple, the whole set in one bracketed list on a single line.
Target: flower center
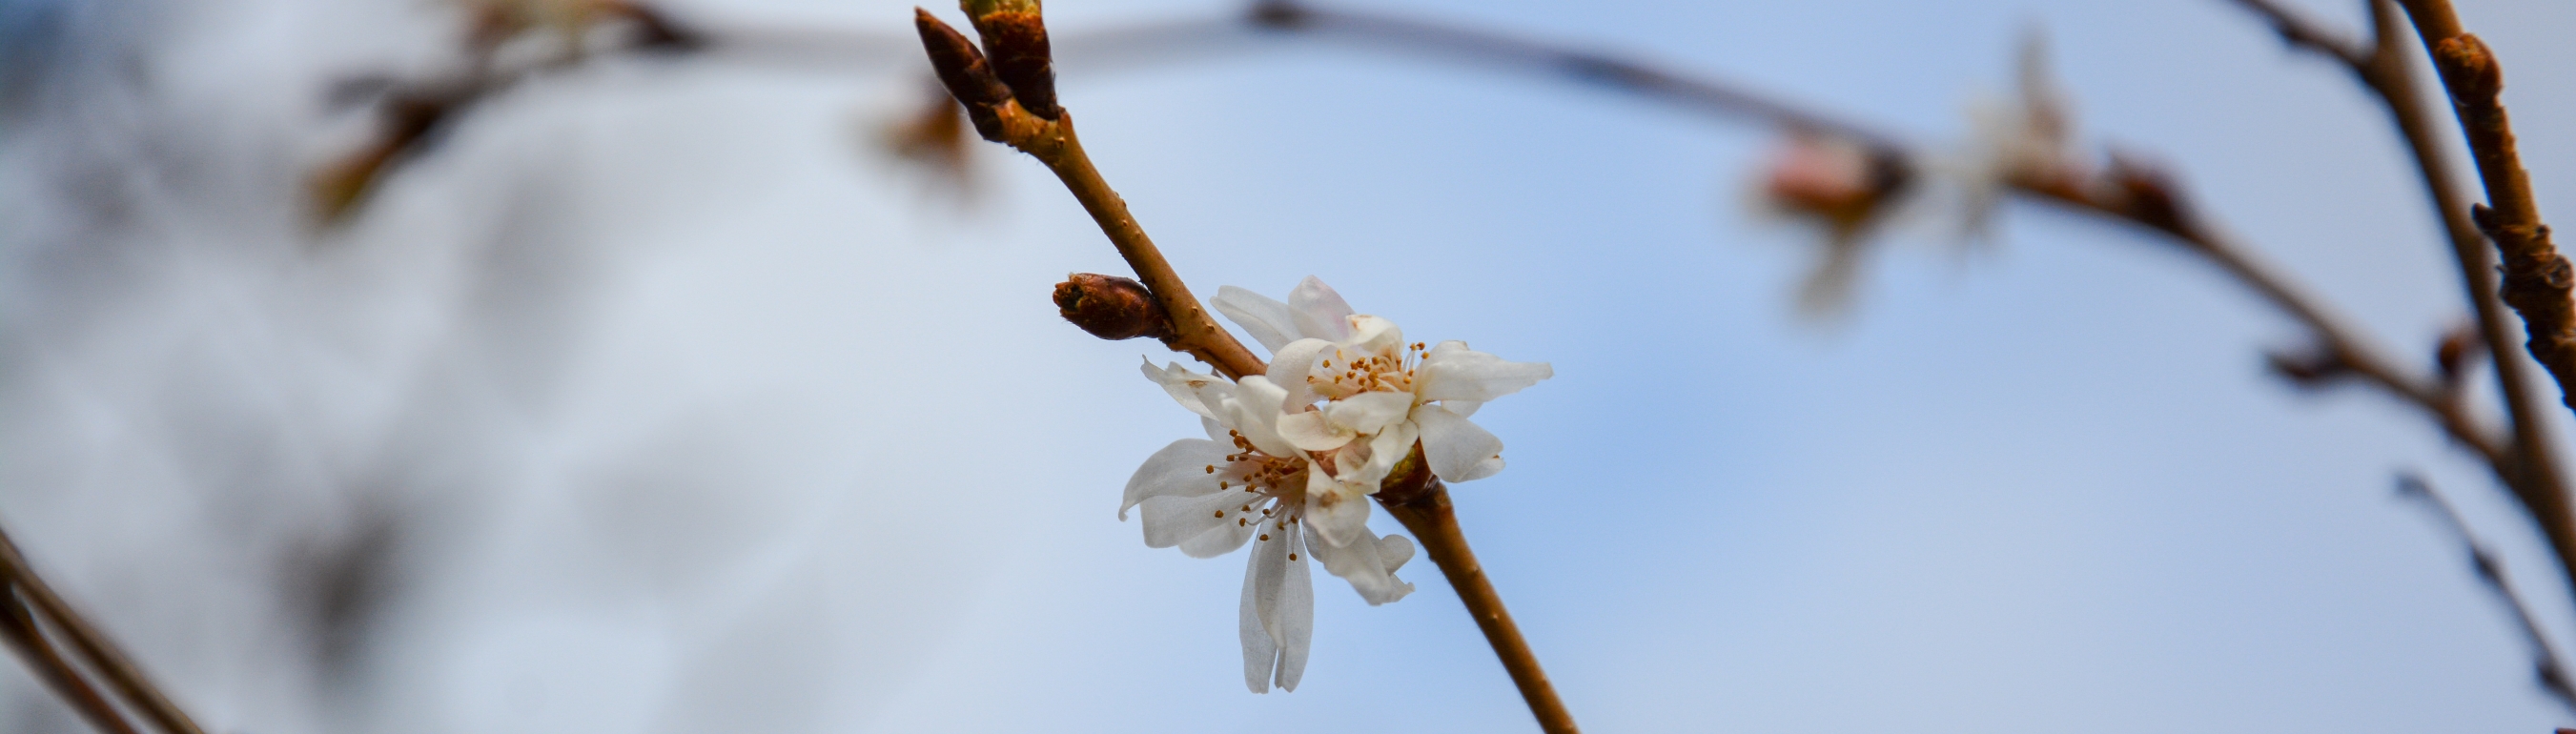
[(1277, 486), (1348, 373)]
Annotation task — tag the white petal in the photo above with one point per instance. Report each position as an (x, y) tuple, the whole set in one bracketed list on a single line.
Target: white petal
[(1319, 311), (1375, 335), (1453, 445), (1464, 408), (1360, 563), (1205, 526), (1185, 386), (1268, 321), (1310, 431), (1260, 652), (1394, 550), (1339, 511), (1385, 449), (1295, 619), (1178, 469), (1453, 372), (1370, 412), (1255, 405), (1215, 431), (1492, 465), (1293, 367)]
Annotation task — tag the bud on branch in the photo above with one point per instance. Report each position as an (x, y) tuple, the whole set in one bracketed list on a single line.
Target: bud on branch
[(1111, 307), (962, 69), (1015, 38)]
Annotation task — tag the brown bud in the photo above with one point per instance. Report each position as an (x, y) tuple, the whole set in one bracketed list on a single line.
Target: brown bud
[(1111, 307), (2459, 345), (2468, 68), (2310, 368), (1015, 38), (962, 69), (2148, 196)]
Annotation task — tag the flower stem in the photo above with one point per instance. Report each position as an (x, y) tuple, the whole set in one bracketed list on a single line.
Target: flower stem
[(1429, 516)]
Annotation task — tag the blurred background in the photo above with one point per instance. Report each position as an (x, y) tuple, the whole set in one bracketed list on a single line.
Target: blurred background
[(660, 396)]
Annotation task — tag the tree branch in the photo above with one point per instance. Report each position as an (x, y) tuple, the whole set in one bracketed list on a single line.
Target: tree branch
[(101, 655), (2552, 673)]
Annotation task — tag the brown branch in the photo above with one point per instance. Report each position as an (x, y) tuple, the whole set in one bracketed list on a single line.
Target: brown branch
[(2551, 672), (2538, 282), (95, 650), (2534, 475), (23, 634), (1415, 497)]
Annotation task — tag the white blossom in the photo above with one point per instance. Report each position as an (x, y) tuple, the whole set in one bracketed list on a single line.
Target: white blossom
[(1378, 394), (1247, 483)]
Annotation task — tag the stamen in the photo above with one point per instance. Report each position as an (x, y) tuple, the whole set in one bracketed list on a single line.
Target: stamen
[(1292, 556), (1265, 536), (1211, 469), (1220, 513)]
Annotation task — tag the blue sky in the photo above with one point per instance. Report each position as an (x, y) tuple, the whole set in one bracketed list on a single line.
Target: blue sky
[(699, 413)]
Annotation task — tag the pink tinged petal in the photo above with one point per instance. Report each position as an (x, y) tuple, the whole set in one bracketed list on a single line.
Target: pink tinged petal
[(1375, 335), (1319, 311), (1451, 371), (1293, 366), (1454, 446), (1296, 616), (1203, 527), (1370, 412), (1180, 469), (1310, 431), (1269, 322), (1338, 511), (1256, 414)]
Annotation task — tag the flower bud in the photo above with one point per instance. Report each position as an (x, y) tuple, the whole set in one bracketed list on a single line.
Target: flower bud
[(2469, 69), (963, 70), (1111, 307), (1015, 38)]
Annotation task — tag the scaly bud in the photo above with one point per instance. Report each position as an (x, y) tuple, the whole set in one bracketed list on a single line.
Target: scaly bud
[(1015, 37), (962, 69), (1111, 307), (2469, 69)]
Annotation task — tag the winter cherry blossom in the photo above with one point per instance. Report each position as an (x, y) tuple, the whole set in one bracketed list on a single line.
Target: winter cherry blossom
[(1378, 394), (1293, 477), (1246, 483)]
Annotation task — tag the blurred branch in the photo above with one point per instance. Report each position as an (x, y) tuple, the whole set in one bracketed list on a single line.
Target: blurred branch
[(48, 664), (2538, 282), (94, 649), (2551, 673), (2533, 473)]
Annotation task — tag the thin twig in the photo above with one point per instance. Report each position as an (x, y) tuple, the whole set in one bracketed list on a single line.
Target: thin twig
[(27, 637), (2538, 282), (2551, 672), (2383, 66), (100, 654)]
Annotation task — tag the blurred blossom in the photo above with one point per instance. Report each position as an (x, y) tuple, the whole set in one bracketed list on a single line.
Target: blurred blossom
[(1845, 190), (2028, 138)]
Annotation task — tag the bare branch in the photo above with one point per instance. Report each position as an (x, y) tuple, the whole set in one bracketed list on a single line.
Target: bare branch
[(2552, 673)]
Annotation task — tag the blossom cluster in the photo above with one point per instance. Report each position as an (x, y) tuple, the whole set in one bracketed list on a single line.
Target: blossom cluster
[(1293, 455)]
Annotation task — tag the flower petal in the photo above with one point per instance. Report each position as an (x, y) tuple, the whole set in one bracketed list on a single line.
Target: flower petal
[(1293, 369), (1454, 446), (1203, 527), (1375, 336), (1186, 387), (1492, 465), (1385, 449), (1260, 652), (1310, 431), (1320, 312), (1369, 412), (1269, 322), (1453, 372), (1178, 469), (1255, 405), (1295, 619), (1337, 510), (1394, 550), (1360, 563), (1464, 408)]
